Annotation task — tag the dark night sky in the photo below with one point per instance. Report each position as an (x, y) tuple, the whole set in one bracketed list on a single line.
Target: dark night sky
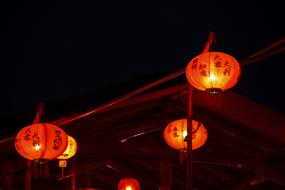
[(53, 51)]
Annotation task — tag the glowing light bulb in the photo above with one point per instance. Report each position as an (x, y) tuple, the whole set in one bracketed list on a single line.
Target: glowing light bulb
[(212, 77), (184, 134), (129, 188), (37, 147)]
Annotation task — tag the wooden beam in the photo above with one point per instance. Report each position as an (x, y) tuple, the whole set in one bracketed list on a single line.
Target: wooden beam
[(209, 44), (241, 162), (246, 112), (107, 105), (139, 150), (246, 183)]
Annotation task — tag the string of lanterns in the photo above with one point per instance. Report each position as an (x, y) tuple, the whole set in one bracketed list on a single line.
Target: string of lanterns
[(212, 72)]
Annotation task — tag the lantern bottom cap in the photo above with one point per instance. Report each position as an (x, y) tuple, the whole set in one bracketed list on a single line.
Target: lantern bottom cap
[(214, 90)]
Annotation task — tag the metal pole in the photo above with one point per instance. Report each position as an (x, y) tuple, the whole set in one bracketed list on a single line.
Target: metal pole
[(207, 47), (189, 138)]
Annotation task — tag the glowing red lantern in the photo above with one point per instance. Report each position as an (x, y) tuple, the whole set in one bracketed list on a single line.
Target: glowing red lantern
[(129, 184), (41, 141), (175, 134), (213, 71)]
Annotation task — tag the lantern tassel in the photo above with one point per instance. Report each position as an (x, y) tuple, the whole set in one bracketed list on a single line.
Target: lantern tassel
[(46, 170), (41, 165), (36, 168), (182, 157), (41, 169)]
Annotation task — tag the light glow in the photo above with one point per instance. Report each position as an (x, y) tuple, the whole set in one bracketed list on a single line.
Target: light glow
[(40, 141), (70, 149), (184, 134), (175, 134), (129, 187), (213, 70), (212, 77), (37, 147)]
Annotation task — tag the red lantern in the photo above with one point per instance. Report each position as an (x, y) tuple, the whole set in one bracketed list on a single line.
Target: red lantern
[(175, 134), (213, 71), (129, 184), (41, 141)]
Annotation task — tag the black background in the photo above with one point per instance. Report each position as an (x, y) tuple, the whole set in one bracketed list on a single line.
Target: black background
[(54, 50)]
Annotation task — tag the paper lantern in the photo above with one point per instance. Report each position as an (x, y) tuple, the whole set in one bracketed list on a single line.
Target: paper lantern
[(213, 72), (41, 141), (175, 134), (129, 184), (70, 149), (68, 153)]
